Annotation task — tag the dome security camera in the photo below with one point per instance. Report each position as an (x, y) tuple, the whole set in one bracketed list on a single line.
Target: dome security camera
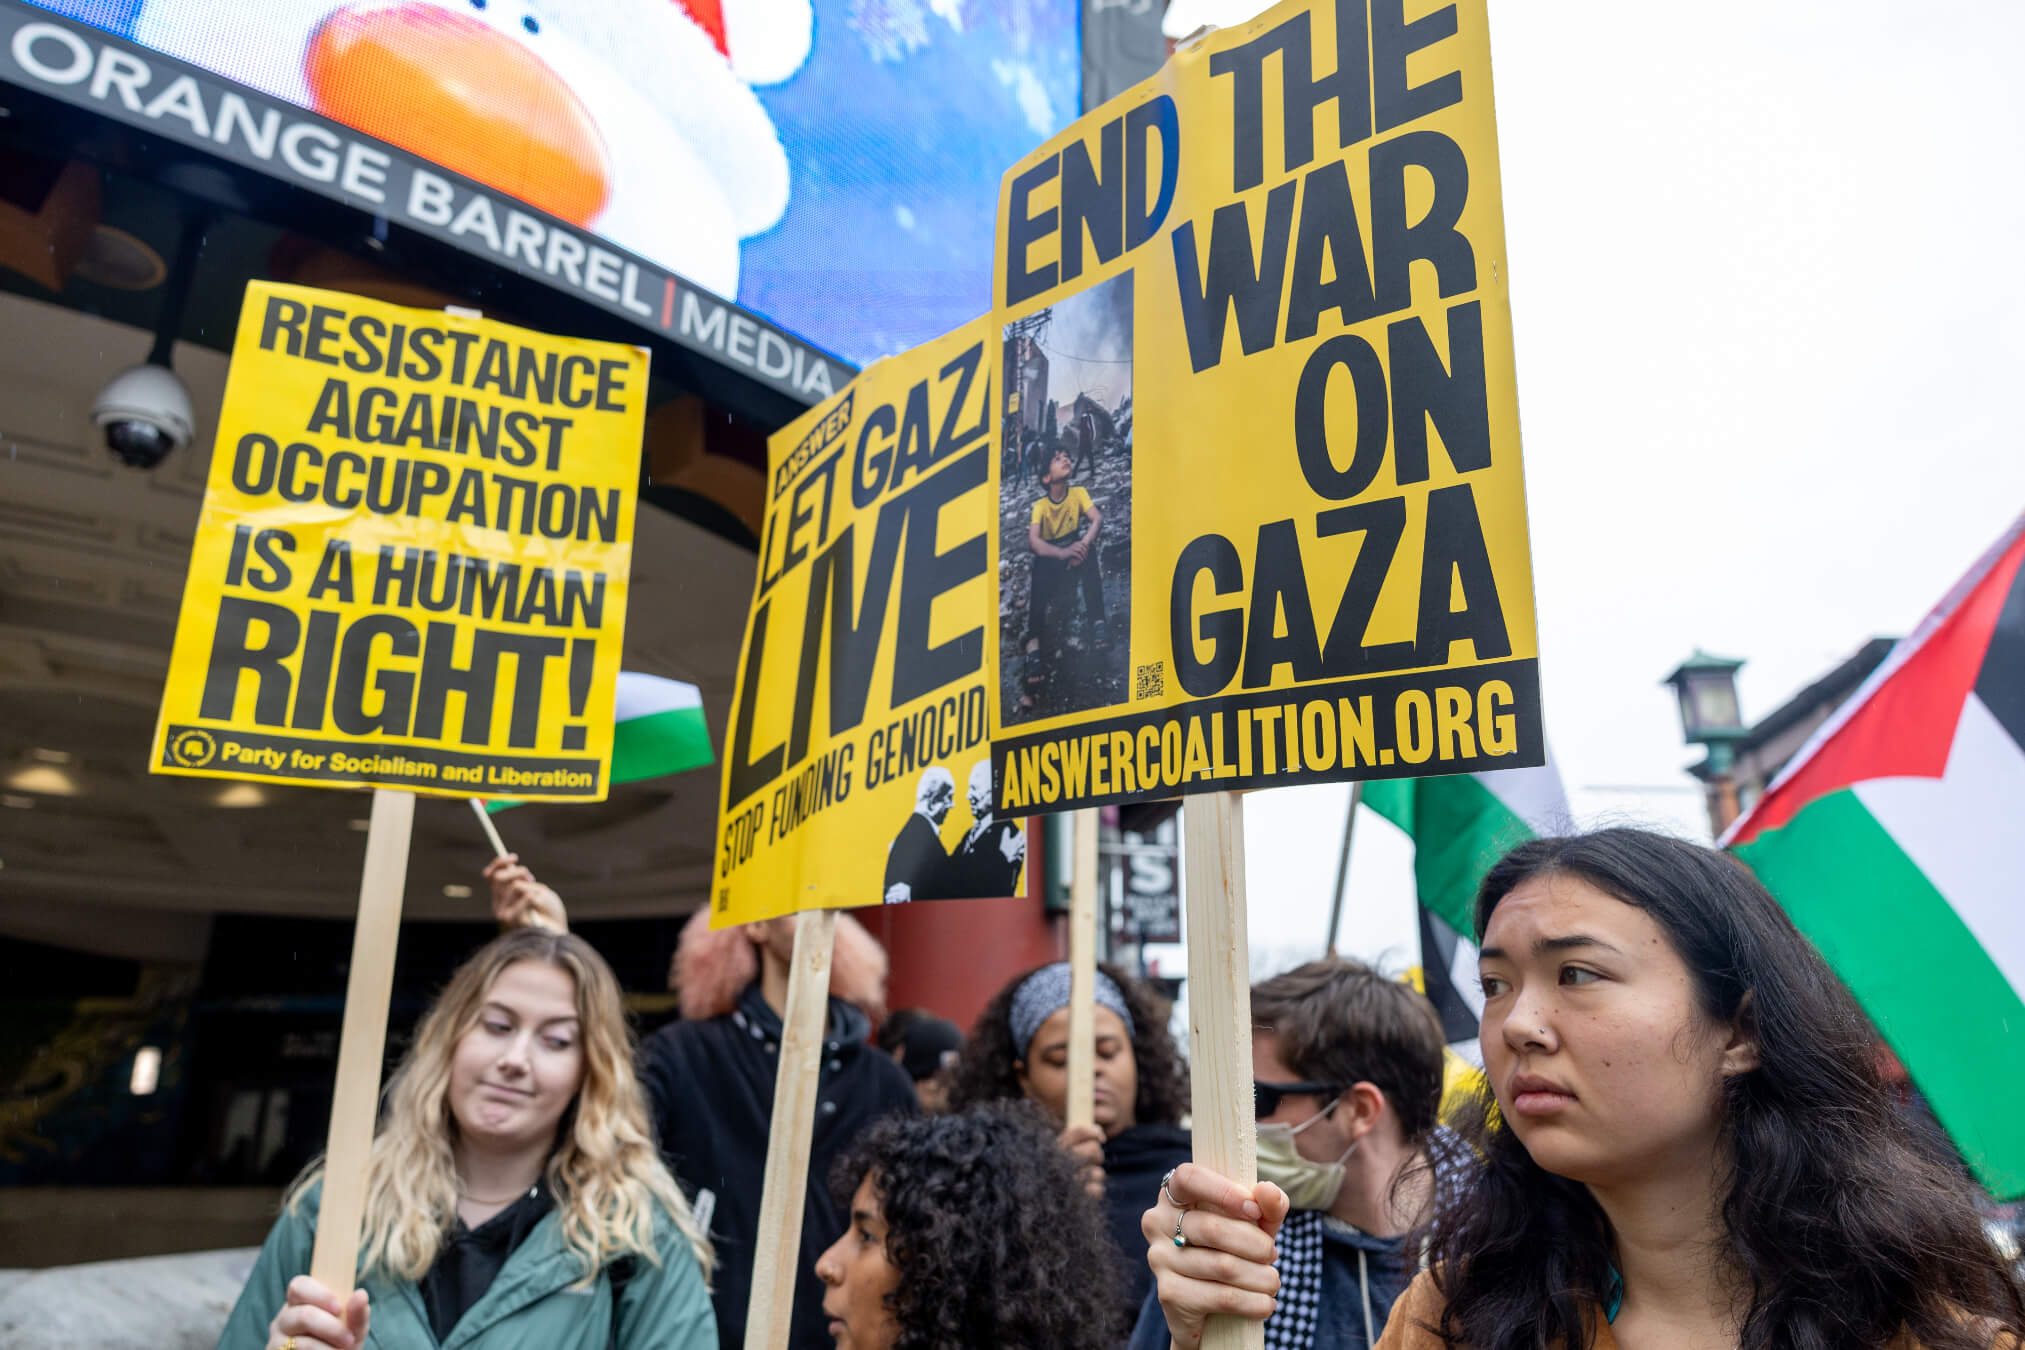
[(145, 415)]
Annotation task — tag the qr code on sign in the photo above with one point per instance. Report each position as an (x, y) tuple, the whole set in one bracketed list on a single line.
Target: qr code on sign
[(1151, 682)]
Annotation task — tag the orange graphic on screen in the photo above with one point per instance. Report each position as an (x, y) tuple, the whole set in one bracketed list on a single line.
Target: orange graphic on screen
[(447, 87)]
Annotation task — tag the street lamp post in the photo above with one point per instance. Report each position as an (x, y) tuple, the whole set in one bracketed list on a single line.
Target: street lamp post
[(1711, 717)]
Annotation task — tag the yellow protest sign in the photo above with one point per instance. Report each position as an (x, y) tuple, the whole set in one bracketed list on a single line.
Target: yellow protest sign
[(858, 767), (411, 567), (1265, 520)]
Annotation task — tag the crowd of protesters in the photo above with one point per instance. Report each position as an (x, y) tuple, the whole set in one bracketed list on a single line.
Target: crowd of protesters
[(1681, 1140)]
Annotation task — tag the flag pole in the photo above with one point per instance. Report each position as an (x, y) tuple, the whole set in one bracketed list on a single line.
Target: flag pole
[(499, 845), (1343, 868)]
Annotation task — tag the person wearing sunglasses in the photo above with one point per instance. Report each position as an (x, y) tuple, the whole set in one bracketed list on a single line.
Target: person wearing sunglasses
[(1347, 1069)]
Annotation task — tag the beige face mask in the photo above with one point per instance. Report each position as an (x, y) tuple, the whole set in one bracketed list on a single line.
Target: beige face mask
[(1308, 1184)]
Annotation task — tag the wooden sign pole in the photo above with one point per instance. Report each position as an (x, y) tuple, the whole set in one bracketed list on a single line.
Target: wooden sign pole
[(777, 1251), (1220, 1012), (355, 1104), (1080, 1106)]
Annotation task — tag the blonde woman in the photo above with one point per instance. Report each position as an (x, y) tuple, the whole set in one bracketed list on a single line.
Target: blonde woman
[(709, 1078), (515, 1197)]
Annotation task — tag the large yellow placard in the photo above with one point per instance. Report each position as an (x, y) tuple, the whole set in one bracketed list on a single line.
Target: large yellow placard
[(1264, 520), (412, 562), (858, 768)]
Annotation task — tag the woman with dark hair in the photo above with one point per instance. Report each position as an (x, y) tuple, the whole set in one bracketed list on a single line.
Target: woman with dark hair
[(1696, 1148), (1019, 1047), (966, 1230)]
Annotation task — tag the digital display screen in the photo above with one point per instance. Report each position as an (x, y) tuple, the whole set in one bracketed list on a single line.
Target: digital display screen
[(832, 166)]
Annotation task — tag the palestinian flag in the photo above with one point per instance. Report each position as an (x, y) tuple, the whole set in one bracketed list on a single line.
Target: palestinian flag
[(658, 729), (1896, 840), (1461, 824)]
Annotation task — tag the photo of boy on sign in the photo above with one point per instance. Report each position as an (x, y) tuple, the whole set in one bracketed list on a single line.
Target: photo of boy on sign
[(1061, 531), (1069, 378)]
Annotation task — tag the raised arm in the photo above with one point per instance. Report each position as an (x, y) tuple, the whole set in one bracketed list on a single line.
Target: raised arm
[(520, 901)]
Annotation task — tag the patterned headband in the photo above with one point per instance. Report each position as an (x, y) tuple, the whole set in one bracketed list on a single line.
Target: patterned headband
[(1047, 989)]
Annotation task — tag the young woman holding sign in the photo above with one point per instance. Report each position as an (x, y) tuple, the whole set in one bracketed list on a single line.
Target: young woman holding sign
[(1696, 1151), (515, 1197), (709, 1079)]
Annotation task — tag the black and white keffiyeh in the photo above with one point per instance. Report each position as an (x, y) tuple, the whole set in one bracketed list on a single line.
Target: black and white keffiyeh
[(1292, 1326)]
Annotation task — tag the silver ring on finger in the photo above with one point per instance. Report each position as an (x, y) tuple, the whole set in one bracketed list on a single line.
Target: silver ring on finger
[(1170, 1194), (1180, 1238)]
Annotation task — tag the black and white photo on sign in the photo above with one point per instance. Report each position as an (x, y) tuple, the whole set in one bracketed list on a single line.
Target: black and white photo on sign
[(986, 860)]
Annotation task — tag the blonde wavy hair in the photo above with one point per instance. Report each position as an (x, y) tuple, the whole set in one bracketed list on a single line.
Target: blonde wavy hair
[(605, 1173)]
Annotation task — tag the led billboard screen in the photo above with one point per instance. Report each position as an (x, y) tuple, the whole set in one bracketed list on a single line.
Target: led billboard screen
[(832, 165)]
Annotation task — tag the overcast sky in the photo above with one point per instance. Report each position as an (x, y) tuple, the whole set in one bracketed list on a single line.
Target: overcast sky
[(1768, 292)]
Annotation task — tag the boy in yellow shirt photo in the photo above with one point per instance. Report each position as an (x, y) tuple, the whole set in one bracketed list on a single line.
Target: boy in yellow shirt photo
[(1068, 408), (1062, 532)]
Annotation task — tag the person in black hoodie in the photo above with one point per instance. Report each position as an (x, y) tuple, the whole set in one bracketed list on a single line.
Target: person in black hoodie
[(1019, 1047), (709, 1079)]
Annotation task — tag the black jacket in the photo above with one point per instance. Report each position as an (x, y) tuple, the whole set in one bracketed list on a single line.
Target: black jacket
[(1134, 1163), (710, 1086), (979, 867)]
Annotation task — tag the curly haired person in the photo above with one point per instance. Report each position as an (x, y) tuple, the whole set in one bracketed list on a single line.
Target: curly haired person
[(966, 1230), (1019, 1048)]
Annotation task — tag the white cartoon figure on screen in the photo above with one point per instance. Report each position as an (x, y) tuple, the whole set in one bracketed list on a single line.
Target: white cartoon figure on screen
[(633, 119)]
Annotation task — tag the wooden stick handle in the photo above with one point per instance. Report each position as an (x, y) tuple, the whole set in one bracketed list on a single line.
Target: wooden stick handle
[(1220, 1012), (1080, 1105), (491, 830), (362, 1045), (777, 1250)]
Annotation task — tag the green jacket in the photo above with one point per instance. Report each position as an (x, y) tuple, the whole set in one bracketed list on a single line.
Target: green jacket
[(530, 1306)]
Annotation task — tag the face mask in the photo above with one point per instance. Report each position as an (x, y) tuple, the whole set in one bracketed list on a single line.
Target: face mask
[(1308, 1184)]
